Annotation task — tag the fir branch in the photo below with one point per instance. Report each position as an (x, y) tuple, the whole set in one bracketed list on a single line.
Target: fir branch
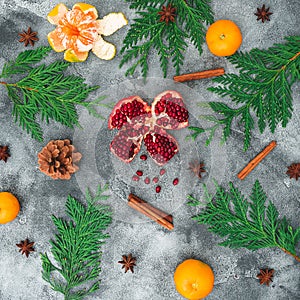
[(263, 87), (148, 33), (244, 223), (46, 91), (76, 248)]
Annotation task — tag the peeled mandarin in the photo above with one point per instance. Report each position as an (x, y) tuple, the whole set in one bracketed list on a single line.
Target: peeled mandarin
[(9, 207), (194, 279)]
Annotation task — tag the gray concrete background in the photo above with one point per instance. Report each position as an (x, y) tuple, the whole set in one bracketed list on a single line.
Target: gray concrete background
[(158, 252)]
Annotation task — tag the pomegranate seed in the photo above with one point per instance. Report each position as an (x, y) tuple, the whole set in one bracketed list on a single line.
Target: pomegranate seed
[(135, 178), (143, 157), (175, 181), (139, 173), (162, 172), (155, 179), (147, 180), (158, 189)]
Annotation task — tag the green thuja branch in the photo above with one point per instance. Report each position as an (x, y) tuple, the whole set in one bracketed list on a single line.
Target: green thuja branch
[(168, 39), (244, 223), (76, 248), (262, 88), (46, 91)]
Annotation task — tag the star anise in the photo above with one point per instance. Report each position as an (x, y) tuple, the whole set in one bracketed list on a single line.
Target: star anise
[(26, 247), (263, 14), (265, 276), (28, 37), (294, 171), (197, 168), (128, 262), (4, 155), (167, 14)]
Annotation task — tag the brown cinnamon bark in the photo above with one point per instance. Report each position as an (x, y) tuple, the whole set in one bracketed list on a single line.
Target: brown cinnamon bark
[(256, 160), (199, 75), (151, 212)]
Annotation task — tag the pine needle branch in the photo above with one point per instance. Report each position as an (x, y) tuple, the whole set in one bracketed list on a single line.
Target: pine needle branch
[(262, 88), (148, 34), (247, 223), (76, 248), (46, 91)]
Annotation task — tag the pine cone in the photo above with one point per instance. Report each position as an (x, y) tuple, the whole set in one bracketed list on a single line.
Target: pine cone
[(58, 159)]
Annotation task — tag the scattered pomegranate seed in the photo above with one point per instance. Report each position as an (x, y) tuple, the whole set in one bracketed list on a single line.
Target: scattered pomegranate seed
[(155, 179), (175, 181), (135, 178), (158, 189), (147, 180), (139, 173), (143, 157), (162, 172)]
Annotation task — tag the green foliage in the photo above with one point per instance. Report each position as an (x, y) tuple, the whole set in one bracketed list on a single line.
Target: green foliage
[(76, 248), (262, 88), (251, 224), (147, 33), (45, 91)]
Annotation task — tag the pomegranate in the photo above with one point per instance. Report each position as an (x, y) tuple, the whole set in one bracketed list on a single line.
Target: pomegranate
[(162, 172), (161, 146), (158, 189), (136, 121), (170, 111), (175, 181), (124, 146), (155, 179), (147, 180), (139, 173), (128, 110), (135, 178)]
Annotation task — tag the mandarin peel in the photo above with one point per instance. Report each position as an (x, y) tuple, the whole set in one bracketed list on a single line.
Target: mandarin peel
[(79, 30)]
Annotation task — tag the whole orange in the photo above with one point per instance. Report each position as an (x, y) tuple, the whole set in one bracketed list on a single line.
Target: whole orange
[(223, 38), (194, 279), (9, 207)]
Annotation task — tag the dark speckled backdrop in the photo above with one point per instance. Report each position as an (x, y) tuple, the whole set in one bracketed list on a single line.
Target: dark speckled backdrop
[(158, 252)]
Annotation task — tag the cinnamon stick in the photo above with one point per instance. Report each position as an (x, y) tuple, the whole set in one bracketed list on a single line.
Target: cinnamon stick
[(150, 211), (199, 75), (256, 160)]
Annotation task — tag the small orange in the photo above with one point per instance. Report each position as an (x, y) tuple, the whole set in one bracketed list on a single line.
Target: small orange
[(194, 279), (9, 207), (223, 38)]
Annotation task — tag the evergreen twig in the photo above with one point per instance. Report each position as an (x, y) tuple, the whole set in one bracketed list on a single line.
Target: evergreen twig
[(45, 91), (263, 87), (76, 248), (147, 33), (247, 224)]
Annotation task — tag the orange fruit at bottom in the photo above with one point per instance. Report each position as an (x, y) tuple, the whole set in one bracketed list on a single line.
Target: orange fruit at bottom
[(194, 279), (223, 38), (9, 207)]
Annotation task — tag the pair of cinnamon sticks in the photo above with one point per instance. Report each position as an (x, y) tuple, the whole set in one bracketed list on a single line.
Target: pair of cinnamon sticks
[(151, 212)]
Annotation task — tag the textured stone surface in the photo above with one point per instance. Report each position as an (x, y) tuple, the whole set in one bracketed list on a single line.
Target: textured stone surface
[(158, 252)]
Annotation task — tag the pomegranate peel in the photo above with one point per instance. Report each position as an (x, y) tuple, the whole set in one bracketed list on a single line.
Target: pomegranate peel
[(137, 121)]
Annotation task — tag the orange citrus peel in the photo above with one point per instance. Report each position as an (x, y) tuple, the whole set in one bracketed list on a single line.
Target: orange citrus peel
[(78, 31)]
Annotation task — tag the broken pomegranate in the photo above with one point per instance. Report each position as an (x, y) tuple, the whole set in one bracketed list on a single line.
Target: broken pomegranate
[(137, 121)]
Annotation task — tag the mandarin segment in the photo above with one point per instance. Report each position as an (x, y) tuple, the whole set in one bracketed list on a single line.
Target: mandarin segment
[(87, 9), (73, 56), (56, 42)]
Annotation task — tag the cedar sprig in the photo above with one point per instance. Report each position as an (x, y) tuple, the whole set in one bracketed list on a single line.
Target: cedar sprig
[(148, 34), (262, 88), (245, 223), (46, 91), (76, 248)]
